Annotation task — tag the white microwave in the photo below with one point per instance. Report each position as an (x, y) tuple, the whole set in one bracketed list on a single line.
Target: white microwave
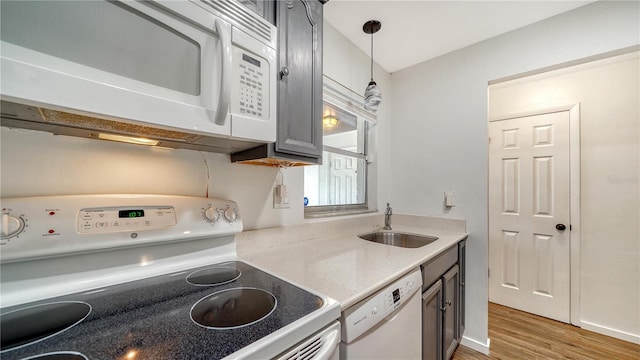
[(199, 67)]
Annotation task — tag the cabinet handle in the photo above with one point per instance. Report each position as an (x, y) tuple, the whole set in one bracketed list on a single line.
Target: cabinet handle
[(443, 309), (448, 303), (225, 74), (284, 72)]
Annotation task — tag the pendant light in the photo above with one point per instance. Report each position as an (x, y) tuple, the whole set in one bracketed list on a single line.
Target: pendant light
[(372, 95)]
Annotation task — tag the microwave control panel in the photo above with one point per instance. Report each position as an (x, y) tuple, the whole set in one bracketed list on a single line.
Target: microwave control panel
[(250, 96)]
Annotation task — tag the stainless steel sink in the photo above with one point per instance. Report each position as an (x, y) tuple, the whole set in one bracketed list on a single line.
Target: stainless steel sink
[(400, 239)]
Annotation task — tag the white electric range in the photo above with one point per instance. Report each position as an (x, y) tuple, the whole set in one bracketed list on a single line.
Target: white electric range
[(146, 277)]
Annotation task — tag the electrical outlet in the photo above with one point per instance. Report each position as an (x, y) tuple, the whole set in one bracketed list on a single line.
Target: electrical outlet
[(280, 197)]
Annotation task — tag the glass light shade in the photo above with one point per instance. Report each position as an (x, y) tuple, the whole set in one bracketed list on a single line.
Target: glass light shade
[(329, 120), (372, 96)]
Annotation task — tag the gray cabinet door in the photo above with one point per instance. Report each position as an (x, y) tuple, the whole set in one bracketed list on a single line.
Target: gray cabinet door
[(300, 80), (462, 253), (451, 304), (432, 322)]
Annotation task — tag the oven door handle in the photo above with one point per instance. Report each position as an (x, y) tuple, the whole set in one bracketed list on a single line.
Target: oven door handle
[(329, 338), (225, 74)]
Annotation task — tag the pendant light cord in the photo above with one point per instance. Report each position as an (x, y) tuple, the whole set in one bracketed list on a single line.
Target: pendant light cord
[(371, 56)]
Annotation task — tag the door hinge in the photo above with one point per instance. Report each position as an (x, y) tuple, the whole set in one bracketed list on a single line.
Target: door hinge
[(488, 272)]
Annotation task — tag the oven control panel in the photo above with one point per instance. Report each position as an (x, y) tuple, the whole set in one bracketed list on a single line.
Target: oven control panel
[(45, 226), (102, 220)]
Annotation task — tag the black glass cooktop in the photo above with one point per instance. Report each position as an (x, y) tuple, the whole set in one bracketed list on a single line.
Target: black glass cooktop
[(173, 316)]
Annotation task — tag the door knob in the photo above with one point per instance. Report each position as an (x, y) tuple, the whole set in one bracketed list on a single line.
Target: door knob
[(284, 72), (560, 227)]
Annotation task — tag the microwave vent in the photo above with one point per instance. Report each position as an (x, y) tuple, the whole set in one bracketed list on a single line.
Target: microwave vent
[(60, 122), (104, 125), (243, 17)]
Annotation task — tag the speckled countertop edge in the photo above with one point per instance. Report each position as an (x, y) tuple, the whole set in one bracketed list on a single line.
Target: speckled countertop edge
[(328, 257)]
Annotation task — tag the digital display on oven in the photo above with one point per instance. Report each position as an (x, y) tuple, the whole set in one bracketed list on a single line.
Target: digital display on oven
[(129, 214), (396, 295), (250, 60)]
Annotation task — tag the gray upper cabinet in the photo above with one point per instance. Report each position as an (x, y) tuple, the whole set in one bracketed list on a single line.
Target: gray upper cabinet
[(300, 85), (299, 117)]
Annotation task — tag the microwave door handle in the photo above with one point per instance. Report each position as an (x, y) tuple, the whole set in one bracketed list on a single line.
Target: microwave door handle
[(225, 75)]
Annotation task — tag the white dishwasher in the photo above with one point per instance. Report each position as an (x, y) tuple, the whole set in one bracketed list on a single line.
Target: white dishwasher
[(386, 325)]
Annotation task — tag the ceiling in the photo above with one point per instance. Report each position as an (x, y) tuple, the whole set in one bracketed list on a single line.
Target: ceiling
[(416, 31)]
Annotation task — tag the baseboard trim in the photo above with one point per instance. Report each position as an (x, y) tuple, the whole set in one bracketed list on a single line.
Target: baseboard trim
[(610, 332), (476, 345)]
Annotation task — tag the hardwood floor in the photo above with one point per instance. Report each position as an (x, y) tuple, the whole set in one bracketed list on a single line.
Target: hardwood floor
[(518, 335)]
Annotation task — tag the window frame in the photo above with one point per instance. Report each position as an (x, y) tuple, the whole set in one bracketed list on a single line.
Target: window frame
[(338, 96), (335, 210)]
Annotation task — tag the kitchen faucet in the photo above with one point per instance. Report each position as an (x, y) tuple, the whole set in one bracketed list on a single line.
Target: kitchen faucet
[(387, 218)]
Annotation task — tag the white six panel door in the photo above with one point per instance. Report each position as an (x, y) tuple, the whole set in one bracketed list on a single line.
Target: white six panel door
[(529, 194)]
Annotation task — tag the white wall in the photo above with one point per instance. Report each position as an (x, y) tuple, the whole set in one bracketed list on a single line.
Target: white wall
[(608, 92), (439, 126), (347, 64), (38, 163)]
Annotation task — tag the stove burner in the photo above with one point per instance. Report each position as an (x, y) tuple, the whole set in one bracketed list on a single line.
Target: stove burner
[(59, 356), (213, 276), (233, 308), (28, 325)]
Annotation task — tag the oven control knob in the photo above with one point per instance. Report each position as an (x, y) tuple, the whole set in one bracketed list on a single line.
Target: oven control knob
[(11, 225), (231, 214), (211, 214)]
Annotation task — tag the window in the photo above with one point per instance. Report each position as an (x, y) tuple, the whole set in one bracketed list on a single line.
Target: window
[(340, 183)]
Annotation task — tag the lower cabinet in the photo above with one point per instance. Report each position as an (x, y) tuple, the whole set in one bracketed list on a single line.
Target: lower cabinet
[(462, 260), (432, 322), (451, 306), (443, 304)]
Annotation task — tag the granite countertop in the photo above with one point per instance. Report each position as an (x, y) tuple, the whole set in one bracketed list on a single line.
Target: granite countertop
[(328, 257)]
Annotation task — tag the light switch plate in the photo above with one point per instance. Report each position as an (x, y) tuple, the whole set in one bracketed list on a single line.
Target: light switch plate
[(280, 197), (449, 199)]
